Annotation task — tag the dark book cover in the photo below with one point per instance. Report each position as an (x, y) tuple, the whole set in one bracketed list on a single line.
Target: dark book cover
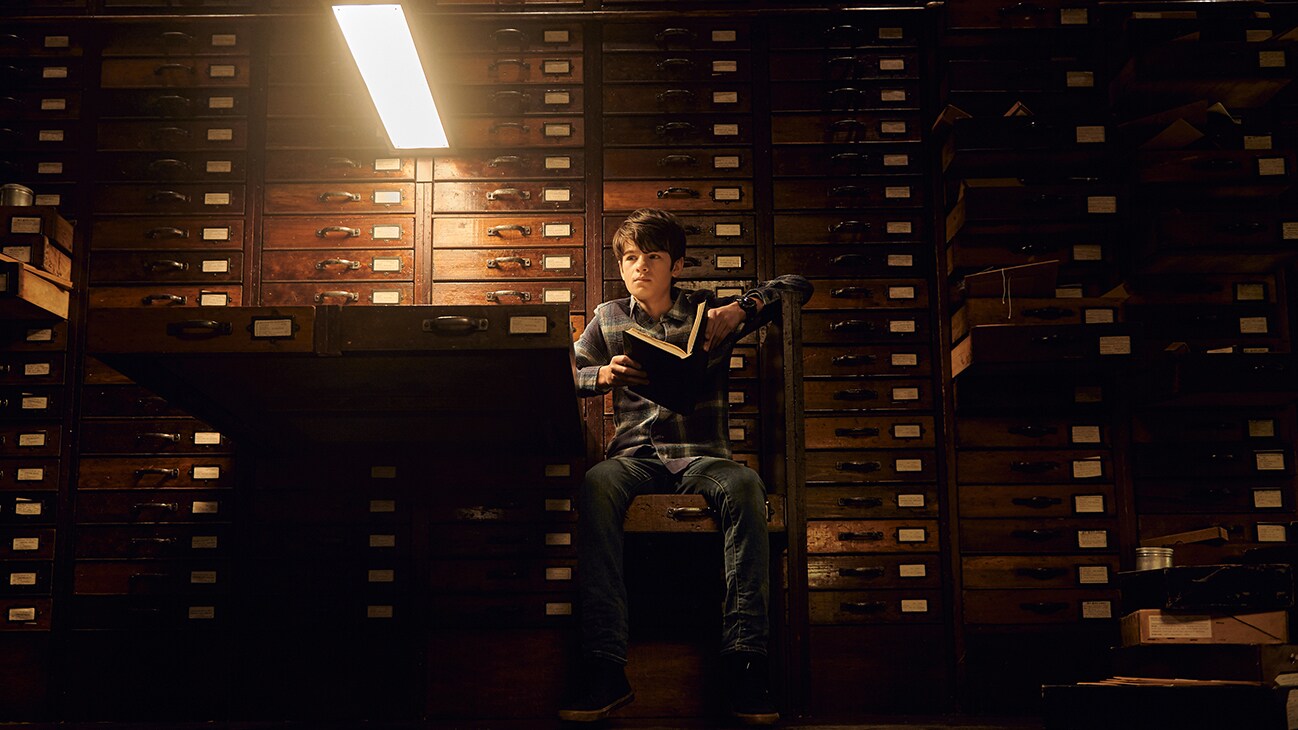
[(677, 377)]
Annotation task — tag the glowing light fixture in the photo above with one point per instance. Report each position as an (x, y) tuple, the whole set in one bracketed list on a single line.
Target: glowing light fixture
[(384, 49)]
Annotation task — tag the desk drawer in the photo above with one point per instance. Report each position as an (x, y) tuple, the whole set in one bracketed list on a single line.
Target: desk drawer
[(179, 167), (847, 361), (885, 260), (26, 579), (152, 577), (29, 473), (869, 395), (508, 67), (871, 466), (1029, 433), (338, 232), (169, 233), (24, 508), (504, 133), (679, 130), (677, 65), (1033, 466), (218, 134), (348, 197), (678, 98), (154, 542), (877, 95), (513, 101), (876, 432), (167, 295), (517, 231), (871, 502), (502, 576), (25, 614), (351, 292), (169, 436), (846, 65), (845, 128), (850, 572), (201, 472), (678, 163), (865, 326), (167, 266), (494, 196), (223, 38), (153, 505), (826, 537), (36, 439), (1042, 535), (679, 194), (1039, 606), (1027, 501), (329, 133), (175, 103), (1039, 571), (572, 293), (870, 607), (702, 230), (174, 72), (159, 199), (495, 264), (37, 368), (503, 165), (338, 265)]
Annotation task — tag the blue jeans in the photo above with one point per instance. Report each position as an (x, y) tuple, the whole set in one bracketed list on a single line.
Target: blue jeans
[(733, 491)]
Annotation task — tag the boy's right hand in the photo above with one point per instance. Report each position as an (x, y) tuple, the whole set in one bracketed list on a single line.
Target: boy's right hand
[(622, 370)]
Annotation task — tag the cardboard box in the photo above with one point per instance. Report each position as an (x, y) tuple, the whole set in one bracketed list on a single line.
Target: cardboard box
[(36, 219), (1151, 626)]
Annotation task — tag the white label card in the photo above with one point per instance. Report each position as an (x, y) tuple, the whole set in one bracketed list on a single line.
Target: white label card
[(1271, 533), (1098, 315), (556, 195), (204, 542), (1088, 252), (912, 534), (1250, 292), (216, 198), (558, 163), (379, 612), (558, 130), (387, 197), (1270, 166), (1253, 325), (737, 434), (215, 266), (51, 199), (1074, 16), (49, 168), (901, 292), (25, 543), (57, 41), (207, 472), (1097, 609), (379, 506), (220, 102), (892, 127), (1088, 504), (220, 134), (726, 194), (54, 72), (736, 397), (556, 230), (1079, 79), (908, 465), (386, 233), (1268, 498), (54, 105), (1257, 141), (22, 579), (556, 296), (901, 260), (386, 297), (50, 135), (1093, 539), (556, 262), (555, 36), (728, 230), (905, 394), (904, 360), (1102, 204), (724, 36), (730, 262), (202, 576), (1068, 292), (35, 403), (556, 68), (31, 439), (386, 263), (1093, 574), (725, 130), (1270, 59), (912, 570), (1269, 460), (213, 299), (1085, 434), (558, 609), (914, 605), (1289, 230), (221, 71), (895, 192), (907, 431), (901, 326), (219, 166), (725, 97), (528, 325), (1088, 468), (205, 508), (910, 500), (892, 95), (558, 539), (24, 224), (896, 160), (1179, 626), (22, 614), (380, 576), (892, 64), (216, 234), (725, 67), (1261, 428), (36, 368), (382, 541), (558, 574), (1090, 134), (224, 40), (30, 474), (27, 509), (387, 164), (1115, 345), (558, 505), (725, 162)]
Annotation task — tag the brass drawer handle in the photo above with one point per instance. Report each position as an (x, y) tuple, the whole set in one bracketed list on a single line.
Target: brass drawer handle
[(1047, 313), (847, 123), (160, 70), (342, 162), (158, 436), (514, 193), (1037, 535), (872, 536), (850, 259), (153, 541), (495, 263), (1046, 199), (675, 64), (458, 325), (1021, 9), (522, 64), (522, 128), (691, 262), (166, 264), (170, 105), (157, 471), (347, 296), (1037, 502), (677, 160), (1033, 467), (854, 325), (856, 394), (872, 571), (191, 328), (849, 292), (663, 130), (671, 94), (142, 506), (1215, 164), (860, 467), (861, 502), (841, 226), (170, 132), (523, 230), (850, 360), (1242, 227), (685, 514), (166, 232), (1040, 573), (151, 299), (1053, 340), (338, 196), (1032, 248), (169, 163), (678, 192), (510, 99), (505, 160), (167, 196), (848, 191), (348, 264), (1033, 430), (496, 296), (859, 432), (864, 607), (667, 35), (176, 37), (329, 231), (519, 36)]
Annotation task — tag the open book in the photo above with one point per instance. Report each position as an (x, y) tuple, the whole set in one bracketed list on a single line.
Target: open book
[(677, 377)]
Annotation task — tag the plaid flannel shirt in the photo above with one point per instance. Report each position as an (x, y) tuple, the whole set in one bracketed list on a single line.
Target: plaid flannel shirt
[(644, 427)]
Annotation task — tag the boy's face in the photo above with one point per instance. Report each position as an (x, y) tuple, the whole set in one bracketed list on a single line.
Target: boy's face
[(648, 276)]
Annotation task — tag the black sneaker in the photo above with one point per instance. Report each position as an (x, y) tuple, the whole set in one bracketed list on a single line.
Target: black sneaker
[(748, 685), (603, 689)]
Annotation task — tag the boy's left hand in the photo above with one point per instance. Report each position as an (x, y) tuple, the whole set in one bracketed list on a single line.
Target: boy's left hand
[(721, 322)]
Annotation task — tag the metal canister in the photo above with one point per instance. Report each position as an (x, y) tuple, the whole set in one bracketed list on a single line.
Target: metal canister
[(1153, 558), (15, 194)]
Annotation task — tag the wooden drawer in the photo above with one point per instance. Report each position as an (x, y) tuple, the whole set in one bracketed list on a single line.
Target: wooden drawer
[(1041, 535), (816, 160), (499, 165), (43, 169), (845, 128), (1040, 606), (509, 67), (154, 577), (1046, 500), (155, 199), (676, 65), (29, 337), (525, 610), (167, 295), (167, 266), (349, 164), (330, 543), (352, 292), (572, 293), (192, 614), (1221, 460), (168, 233), (23, 579), (676, 162), (171, 472), (180, 167), (679, 194), (502, 576), (32, 401), (874, 432), (512, 196), (516, 231), (21, 509), (677, 130), (716, 35), (53, 74), (1039, 571), (507, 132), (848, 65), (1071, 77), (217, 134), (1255, 426), (331, 133), (338, 232), (544, 542), (153, 542), (702, 230), (869, 395), (903, 192), (829, 537), (1002, 14), (1017, 201), (156, 436), (1247, 240), (868, 607), (505, 101), (25, 614), (342, 101), (42, 368), (175, 103), (1018, 344), (1180, 496), (1204, 289), (179, 38), (349, 197), (886, 260), (1029, 433), (853, 294), (848, 31), (871, 466), (1028, 310), (154, 505), (865, 326), (291, 506), (331, 73), (338, 265), (493, 264), (878, 95), (854, 227), (1034, 466), (552, 507), (47, 40), (871, 502), (667, 99), (849, 572), (1244, 531), (29, 473), (174, 71), (36, 439), (125, 401), (528, 35), (705, 263), (1245, 323), (27, 543), (49, 137)]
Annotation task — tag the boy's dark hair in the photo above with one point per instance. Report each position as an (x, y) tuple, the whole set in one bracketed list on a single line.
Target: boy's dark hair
[(651, 229)]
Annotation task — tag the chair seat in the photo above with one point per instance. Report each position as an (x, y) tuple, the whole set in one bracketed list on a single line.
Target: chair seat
[(687, 513)]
